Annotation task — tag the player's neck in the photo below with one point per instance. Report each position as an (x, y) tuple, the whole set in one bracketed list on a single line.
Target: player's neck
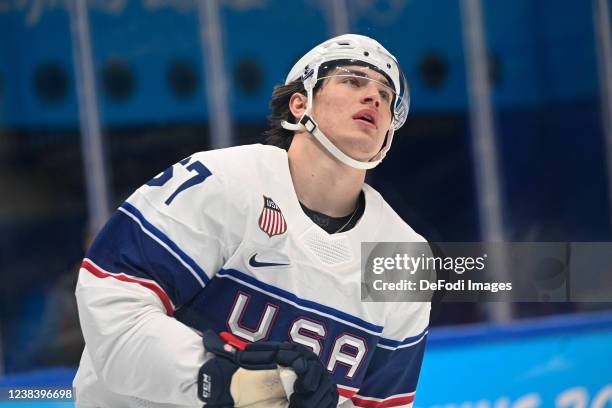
[(321, 182)]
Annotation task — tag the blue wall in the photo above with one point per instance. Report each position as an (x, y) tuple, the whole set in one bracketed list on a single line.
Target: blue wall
[(554, 362), (544, 50)]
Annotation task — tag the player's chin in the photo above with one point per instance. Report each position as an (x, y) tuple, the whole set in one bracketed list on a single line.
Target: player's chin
[(364, 152), (365, 146)]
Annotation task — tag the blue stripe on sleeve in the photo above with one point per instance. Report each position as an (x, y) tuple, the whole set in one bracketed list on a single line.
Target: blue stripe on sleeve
[(393, 372), (122, 246), (164, 238)]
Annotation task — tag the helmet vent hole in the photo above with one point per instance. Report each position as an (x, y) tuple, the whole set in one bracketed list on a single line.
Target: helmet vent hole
[(388, 65), (366, 53)]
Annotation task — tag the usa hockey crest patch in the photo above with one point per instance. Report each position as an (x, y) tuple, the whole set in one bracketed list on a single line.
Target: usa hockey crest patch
[(271, 220)]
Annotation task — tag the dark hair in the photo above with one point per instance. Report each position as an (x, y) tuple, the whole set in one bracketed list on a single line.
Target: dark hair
[(276, 135)]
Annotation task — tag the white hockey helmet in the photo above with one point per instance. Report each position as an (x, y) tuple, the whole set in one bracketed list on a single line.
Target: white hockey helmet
[(350, 49)]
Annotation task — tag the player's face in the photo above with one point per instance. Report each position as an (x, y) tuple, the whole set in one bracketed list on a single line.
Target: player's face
[(353, 109)]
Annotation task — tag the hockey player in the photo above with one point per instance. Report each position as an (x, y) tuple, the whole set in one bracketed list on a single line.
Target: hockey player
[(261, 243)]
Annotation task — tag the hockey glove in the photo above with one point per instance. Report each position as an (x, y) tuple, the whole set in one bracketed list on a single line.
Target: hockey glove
[(234, 377), (314, 387), (221, 378)]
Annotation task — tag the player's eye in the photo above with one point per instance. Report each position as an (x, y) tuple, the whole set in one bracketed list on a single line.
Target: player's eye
[(386, 96), (351, 81)]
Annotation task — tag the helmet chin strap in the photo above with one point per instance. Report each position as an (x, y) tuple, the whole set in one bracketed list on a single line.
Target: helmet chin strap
[(307, 123)]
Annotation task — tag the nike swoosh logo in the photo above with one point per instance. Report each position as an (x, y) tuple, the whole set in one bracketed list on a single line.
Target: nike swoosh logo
[(256, 264)]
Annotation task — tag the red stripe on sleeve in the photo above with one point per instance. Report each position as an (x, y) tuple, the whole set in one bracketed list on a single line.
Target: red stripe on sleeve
[(391, 402), (96, 271), (346, 393)]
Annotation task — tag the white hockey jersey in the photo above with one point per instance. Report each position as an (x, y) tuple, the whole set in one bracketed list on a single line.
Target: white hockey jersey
[(219, 241)]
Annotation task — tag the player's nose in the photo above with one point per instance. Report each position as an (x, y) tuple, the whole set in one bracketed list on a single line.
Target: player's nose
[(371, 95)]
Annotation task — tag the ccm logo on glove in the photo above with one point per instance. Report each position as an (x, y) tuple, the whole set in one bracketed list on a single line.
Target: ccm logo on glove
[(235, 377)]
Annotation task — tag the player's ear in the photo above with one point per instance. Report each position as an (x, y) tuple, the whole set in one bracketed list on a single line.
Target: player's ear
[(298, 104)]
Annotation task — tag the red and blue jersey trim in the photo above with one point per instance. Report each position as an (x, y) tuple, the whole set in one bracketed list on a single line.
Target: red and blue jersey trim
[(95, 270), (398, 400), (131, 247)]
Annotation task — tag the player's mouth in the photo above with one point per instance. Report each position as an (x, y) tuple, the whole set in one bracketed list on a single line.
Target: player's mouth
[(366, 117)]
